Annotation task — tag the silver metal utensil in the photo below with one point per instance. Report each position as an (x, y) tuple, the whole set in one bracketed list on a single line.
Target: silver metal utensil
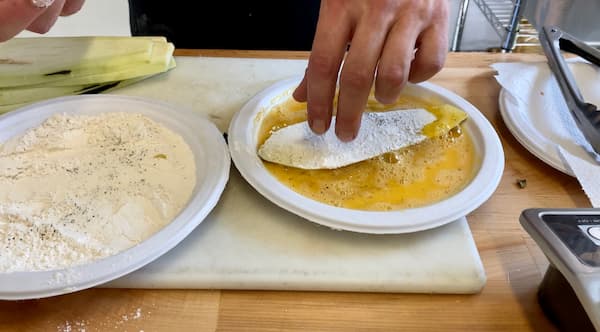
[(587, 115)]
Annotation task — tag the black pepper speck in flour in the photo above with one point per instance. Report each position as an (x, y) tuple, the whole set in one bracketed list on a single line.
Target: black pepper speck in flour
[(79, 188)]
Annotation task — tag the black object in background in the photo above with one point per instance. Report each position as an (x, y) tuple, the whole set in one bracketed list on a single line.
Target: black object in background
[(237, 24)]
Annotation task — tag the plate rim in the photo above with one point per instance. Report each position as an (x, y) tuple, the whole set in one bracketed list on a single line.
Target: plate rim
[(62, 281), (342, 218), (534, 141)]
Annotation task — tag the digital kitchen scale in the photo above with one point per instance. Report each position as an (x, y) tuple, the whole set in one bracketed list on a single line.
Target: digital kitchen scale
[(570, 291)]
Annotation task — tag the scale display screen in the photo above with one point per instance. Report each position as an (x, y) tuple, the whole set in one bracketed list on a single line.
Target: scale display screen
[(580, 233)]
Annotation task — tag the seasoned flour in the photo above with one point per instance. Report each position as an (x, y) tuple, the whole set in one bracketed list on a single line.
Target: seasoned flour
[(79, 188), (380, 132)]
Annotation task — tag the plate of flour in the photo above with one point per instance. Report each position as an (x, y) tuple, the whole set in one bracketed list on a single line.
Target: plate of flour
[(94, 187)]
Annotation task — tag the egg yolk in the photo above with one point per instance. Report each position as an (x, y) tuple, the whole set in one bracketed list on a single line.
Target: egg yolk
[(418, 175)]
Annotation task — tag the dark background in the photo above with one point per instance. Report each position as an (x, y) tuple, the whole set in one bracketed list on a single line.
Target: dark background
[(251, 25)]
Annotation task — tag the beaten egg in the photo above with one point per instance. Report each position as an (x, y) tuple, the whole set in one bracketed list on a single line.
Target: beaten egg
[(415, 176)]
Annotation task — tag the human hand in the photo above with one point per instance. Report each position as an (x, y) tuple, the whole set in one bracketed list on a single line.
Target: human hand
[(33, 15), (392, 42)]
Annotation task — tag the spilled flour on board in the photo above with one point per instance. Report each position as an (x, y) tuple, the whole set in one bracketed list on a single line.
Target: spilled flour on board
[(122, 323)]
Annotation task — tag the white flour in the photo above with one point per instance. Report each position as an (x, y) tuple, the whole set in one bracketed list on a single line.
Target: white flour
[(80, 188), (380, 132)]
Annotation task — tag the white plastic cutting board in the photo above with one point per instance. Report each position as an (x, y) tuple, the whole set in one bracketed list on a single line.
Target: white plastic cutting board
[(249, 243)]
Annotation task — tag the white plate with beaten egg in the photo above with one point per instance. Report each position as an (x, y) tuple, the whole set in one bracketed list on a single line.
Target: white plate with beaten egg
[(212, 163), (247, 131)]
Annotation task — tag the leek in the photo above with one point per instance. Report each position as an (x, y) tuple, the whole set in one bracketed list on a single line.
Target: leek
[(34, 69), (26, 61)]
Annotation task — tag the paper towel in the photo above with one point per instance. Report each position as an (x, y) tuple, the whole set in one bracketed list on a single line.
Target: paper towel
[(587, 173), (538, 96)]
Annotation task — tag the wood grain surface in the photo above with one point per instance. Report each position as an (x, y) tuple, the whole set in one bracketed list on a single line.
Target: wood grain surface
[(513, 263)]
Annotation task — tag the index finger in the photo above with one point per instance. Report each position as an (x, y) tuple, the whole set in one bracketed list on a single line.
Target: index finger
[(329, 46), (357, 75)]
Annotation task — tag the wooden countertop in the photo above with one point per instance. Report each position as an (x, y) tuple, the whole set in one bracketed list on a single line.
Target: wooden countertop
[(513, 263)]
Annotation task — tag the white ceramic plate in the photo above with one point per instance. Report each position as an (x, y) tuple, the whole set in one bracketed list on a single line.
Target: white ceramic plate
[(243, 145), (212, 164), (541, 142)]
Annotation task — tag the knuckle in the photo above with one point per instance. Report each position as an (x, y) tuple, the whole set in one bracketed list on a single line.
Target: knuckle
[(440, 9), (322, 65), (357, 79), (421, 10), (433, 66), (385, 6), (437, 65), (333, 6), (318, 109), (419, 4), (394, 76)]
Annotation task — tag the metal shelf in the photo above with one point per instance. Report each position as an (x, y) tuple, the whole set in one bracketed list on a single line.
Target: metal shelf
[(503, 16)]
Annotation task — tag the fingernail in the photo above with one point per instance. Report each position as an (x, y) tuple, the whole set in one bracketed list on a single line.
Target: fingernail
[(299, 95), (318, 126), (346, 136), (385, 98)]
